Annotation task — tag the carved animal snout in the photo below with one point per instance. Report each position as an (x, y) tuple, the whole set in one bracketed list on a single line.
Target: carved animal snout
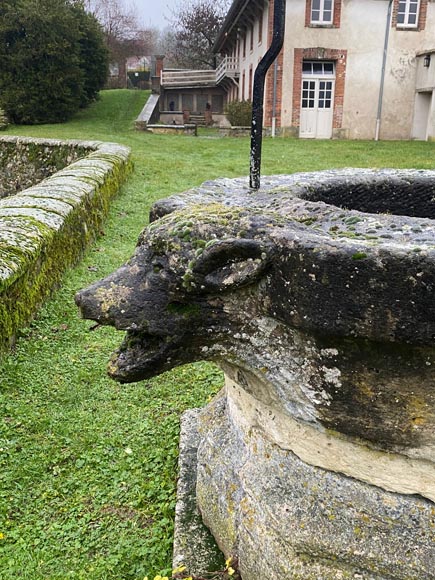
[(108, 301), (170, 304)]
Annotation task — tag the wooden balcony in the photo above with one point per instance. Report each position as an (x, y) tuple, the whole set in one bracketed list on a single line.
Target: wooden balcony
[(185, 78), (173, 79), (227, 69)]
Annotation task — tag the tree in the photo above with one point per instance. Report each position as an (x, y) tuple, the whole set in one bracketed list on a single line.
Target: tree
[(47, 70), (94, 56), (122, 31), (196, 25)]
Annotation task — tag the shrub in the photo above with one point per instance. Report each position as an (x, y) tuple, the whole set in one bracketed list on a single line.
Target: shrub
[(239, 113), (47, 71)]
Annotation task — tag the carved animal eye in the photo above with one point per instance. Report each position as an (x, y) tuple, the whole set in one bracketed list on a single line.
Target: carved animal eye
[(157, 267)]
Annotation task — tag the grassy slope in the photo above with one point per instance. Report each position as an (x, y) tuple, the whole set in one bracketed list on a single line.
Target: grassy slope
[(87, 467)]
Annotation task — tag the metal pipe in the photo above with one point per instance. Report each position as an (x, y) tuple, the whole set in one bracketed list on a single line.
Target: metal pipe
[(384, 63), (275, 80), (258, 91)]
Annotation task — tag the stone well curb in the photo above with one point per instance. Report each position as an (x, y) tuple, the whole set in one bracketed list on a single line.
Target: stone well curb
[(44, 229)]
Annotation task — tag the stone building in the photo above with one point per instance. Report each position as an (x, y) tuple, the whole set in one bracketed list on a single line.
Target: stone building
[(357, 69)]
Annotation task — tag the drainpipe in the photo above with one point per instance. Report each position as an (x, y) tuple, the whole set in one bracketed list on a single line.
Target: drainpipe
[(258, 92), (275, 77), (384, 62)]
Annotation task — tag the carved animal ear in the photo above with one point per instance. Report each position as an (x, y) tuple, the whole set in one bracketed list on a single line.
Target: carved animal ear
[(231, 263)]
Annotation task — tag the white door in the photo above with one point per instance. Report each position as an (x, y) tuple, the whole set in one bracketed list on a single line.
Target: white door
[(317, 103), (422, 115)]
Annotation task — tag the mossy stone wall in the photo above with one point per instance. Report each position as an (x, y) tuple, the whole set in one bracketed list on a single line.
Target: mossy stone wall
[(44, 229), (25, 162), (3, 120)]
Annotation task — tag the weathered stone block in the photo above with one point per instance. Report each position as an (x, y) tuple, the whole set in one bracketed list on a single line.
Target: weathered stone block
[(286, 518), (194, 546)]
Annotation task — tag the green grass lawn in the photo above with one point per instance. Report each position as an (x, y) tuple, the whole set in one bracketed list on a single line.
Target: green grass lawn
[(88, 467)]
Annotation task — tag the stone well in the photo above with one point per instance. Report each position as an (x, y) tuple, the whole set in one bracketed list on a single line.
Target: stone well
[(315, 295)]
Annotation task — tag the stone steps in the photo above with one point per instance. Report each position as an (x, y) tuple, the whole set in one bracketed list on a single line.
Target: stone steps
[(198, 120)]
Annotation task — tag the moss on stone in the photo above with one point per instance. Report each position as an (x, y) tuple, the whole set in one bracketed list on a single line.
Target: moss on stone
[(359, 256), (33, 253)]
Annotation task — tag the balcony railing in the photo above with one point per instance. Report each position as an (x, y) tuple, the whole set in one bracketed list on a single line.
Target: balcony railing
[(187, 78), (228, 68)]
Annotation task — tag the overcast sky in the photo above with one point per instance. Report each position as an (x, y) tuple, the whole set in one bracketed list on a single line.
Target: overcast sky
[(152, 12)]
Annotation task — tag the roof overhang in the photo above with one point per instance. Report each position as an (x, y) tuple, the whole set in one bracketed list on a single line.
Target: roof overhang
[(241, 15), (424, 52)]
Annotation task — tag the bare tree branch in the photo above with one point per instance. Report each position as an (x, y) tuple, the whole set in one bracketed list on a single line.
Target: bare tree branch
[(195, 27), (123, 33)]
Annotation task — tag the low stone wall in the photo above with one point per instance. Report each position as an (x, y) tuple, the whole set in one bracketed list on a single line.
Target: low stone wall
[(25, 162), (234, 131), (172, 129), (44, 229), (3, 120)]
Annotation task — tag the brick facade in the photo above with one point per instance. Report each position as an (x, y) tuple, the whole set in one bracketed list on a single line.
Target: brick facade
[(358, 27), (336, 55), (339, 56), (269, 97), (251, 77), (159, 64)]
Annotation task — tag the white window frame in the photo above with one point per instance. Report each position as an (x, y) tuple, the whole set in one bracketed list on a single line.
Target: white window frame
[(321, 19), (318, 68), (404, 7)]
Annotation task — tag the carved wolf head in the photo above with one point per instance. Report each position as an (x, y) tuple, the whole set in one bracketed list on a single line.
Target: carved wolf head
[(190, 283), (311, 303)]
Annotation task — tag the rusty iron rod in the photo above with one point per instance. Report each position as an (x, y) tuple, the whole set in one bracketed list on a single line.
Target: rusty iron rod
[(258, 91)]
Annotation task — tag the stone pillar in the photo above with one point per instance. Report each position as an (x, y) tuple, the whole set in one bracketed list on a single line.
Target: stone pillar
[(159, 64), (186, 116), (156, 77)]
